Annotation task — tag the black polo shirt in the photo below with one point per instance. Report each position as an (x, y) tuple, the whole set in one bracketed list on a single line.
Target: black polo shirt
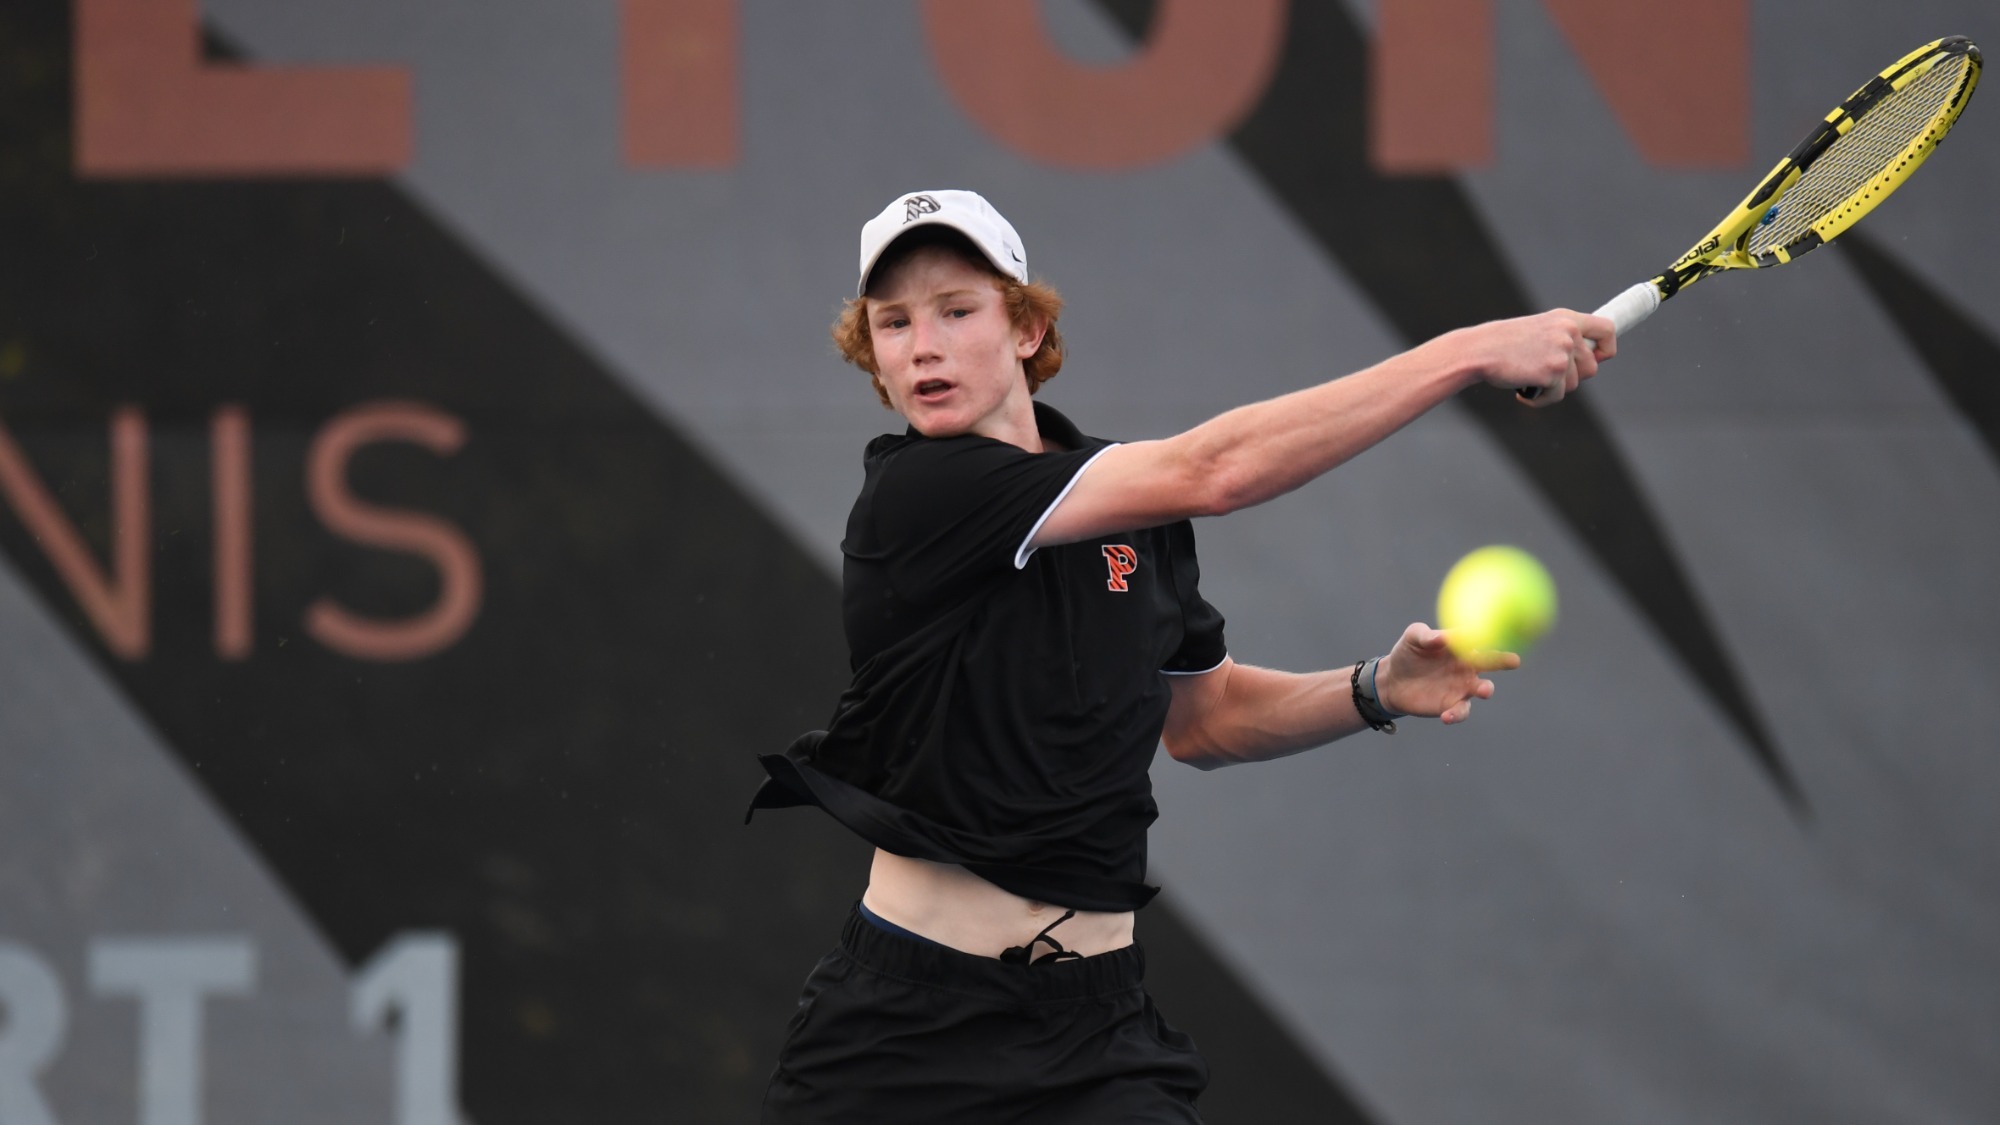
[(1006, 703)]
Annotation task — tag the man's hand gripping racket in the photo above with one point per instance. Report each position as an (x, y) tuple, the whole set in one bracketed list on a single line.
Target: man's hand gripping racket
[(1864, 150)]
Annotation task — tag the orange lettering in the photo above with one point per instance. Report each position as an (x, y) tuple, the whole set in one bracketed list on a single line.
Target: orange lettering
[(230, 497), (120, 604), (679, 65), (147, 106), (1677, 77), (1200, 72), (444, 545), (1431, 92)]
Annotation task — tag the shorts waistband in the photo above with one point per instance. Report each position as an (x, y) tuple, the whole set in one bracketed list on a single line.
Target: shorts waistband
[(881, 923), (941, 966)]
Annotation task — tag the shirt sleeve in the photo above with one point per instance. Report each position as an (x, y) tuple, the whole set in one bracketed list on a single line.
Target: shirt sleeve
[(957, 510), (1203, 647)]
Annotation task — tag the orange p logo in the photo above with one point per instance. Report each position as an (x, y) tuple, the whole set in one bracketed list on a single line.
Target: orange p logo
[(1123, 560)]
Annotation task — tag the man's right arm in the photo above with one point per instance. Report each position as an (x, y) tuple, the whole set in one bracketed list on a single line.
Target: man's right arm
[(1258, 452)]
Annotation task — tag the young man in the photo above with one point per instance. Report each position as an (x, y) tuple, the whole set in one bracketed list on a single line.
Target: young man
[(1026, 627)]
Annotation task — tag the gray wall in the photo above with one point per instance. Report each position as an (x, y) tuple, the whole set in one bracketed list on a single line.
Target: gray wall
[(1590, 904)]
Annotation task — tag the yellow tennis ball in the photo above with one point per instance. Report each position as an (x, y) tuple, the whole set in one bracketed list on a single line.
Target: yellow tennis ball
[(1496, 598)]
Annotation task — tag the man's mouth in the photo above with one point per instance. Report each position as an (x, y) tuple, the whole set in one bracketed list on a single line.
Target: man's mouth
[(930, 387)]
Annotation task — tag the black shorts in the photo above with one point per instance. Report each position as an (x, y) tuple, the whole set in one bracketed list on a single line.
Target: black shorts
[(894, 1029)]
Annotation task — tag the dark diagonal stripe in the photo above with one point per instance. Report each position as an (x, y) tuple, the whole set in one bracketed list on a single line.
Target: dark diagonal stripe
[(1418, 248), (562, 788), (1961, 357), (1262, 1074)]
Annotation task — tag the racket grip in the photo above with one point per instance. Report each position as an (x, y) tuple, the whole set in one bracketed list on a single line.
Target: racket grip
[(1625, 312), (1627, 309)]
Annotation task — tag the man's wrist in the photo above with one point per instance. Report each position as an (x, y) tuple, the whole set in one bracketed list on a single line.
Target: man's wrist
[(1366, 703), (1373, 693), (1452, 354)]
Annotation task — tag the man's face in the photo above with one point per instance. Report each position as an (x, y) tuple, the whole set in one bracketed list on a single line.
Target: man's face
[(946, 351)]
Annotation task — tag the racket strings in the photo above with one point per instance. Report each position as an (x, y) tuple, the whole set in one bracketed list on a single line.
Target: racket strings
[(1877, 143)]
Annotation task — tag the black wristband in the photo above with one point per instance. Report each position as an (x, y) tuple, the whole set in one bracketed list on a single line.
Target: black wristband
[(1372, 693), (1370, 710)]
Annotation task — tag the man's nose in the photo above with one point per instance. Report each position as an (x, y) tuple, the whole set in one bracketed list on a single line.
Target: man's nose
[(924, 338)]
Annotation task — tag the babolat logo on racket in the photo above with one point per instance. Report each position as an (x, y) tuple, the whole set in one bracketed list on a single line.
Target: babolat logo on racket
[(1122, 560), (919, 205), (1708, 246)]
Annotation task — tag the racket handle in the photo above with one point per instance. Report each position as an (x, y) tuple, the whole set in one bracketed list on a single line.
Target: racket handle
[(1627, 309), (1625, 312)]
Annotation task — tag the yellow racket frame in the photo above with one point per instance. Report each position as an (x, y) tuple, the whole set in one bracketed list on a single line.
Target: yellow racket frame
[(1727, 247)]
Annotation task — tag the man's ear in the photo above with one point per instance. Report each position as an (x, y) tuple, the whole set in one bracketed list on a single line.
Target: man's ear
[(1028, 338)]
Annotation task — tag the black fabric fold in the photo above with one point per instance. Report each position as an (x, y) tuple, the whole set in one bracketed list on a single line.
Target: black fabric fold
[(792, 782)]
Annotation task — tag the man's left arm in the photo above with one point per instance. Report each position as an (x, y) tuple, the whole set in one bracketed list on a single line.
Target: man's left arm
[(1242, 713)]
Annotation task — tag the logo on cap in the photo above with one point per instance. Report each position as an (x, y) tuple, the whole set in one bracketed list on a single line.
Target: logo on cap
[(919, 205)]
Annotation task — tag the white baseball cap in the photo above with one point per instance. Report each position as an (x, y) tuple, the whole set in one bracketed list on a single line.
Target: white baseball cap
[(966, 212)]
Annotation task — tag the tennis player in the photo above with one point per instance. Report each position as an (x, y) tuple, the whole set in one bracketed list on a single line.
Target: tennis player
[(1026, 627)]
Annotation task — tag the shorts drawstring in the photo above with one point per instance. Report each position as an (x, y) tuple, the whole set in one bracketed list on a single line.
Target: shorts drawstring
[(1025, 954)]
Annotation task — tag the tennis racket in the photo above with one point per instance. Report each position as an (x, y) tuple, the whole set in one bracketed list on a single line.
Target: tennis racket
[(1864, 150)]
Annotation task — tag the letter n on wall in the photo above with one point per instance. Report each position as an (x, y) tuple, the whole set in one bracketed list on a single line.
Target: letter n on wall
[(1676, 76)]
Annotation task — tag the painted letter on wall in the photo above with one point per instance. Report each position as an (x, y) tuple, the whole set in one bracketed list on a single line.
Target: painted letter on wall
[(1200, 72), (1676, 76), (147, 104)]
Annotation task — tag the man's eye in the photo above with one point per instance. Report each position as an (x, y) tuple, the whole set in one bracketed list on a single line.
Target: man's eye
[(960, 312), (896, 322)]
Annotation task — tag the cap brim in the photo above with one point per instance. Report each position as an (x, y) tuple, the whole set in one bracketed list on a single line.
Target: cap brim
[(985, 251)]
